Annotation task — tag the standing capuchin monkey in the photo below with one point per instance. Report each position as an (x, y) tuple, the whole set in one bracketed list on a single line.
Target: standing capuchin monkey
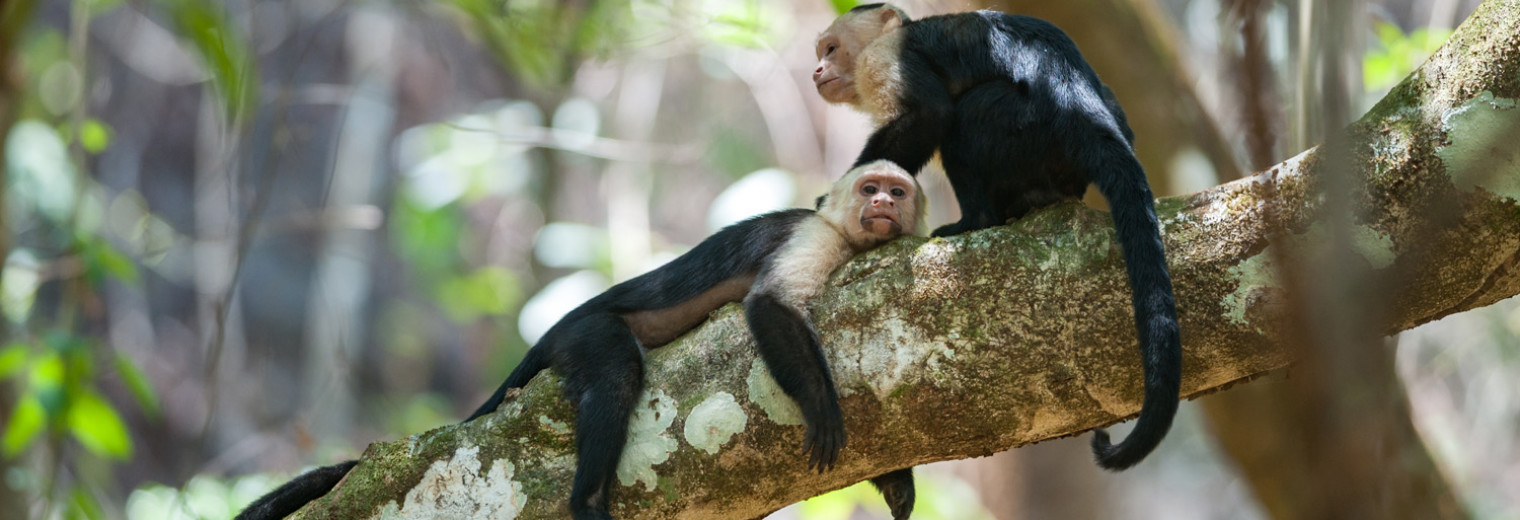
[(1020, 121), (775, 263)]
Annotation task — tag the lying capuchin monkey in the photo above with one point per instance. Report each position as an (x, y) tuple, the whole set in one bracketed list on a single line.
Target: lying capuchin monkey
[(1020, 121), (775, 263)]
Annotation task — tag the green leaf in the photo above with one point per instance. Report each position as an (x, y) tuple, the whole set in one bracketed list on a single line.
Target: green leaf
[(487, 291), (428, 239), (101, 259), (115, 263), (26, 422), (142, 389), (94, 135), (45, 380), (12, 360), (1396, 54), (224, 51), (82, 504), (96, 426), (47, 370), (840, 6)]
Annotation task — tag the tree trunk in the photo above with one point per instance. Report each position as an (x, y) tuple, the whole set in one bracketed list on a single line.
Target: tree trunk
[(961, 347), (14, 16)]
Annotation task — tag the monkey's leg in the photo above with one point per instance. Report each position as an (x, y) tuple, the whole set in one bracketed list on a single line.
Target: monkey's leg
[(969, 182), (988, 153), (604, 371), (897, 489), (791, 352)]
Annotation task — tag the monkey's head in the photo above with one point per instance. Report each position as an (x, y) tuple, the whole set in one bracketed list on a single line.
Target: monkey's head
[(874, 203), (842, 43)]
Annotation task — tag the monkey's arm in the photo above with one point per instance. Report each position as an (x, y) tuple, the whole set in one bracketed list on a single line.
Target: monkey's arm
[(774, 311), (913, 100)]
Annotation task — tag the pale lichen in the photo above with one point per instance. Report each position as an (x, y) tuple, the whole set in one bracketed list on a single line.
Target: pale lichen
[(713, 422), (886, 356), (1254, 273), (557, 427), (1482, 153), (764, 391), (1259, 271), (649, 442), (454, 488), (1376, 247)]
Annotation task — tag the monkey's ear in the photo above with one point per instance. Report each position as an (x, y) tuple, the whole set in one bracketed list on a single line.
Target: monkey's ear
[(890, 18)]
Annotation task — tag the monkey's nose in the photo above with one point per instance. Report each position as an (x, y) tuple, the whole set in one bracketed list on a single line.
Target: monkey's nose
[(818, 72)]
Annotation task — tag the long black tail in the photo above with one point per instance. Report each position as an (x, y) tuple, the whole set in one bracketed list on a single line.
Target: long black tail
[(286, 499), (535, 361), (1122, 182)]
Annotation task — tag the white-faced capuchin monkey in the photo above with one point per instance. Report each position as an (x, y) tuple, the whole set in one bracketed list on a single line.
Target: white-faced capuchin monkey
[(1020, 121), (775, 263)]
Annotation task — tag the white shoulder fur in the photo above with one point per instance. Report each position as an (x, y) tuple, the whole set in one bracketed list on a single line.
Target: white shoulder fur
[(802, 266), (878, 78)]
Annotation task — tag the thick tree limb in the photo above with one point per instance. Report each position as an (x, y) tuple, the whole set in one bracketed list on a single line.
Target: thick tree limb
[(963, 347)]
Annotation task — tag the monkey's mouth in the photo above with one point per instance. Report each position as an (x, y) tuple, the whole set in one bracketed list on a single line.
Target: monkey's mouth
[(881, 225)]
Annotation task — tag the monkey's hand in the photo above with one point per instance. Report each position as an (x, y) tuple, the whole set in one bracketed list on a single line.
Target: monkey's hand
[(824, 438)]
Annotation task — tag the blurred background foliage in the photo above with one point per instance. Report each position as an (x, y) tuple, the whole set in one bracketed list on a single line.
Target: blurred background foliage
[(245, 237)]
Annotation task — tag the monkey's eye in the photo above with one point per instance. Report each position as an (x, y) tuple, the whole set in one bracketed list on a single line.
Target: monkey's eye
[(898, 192), (869, 189), (830, 51)]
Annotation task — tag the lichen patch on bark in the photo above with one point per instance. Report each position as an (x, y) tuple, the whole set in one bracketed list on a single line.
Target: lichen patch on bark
[(1374, 246), (1256, 272), (1478, 156), (649, 441), (714, 422), (553, 426), (883, 355), (764, 392), (454, 488)]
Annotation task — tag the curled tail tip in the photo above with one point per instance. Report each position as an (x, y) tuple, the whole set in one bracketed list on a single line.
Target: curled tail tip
[(1114, 457)]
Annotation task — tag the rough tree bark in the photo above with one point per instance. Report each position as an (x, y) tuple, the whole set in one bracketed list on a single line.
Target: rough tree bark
[(964, 347)]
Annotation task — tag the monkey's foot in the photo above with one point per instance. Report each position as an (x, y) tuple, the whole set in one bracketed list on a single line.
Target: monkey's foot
[(897, 489), (823, 441)]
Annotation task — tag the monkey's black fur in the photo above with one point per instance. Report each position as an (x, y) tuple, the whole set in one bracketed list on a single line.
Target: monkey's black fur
[(600, 358), (289, 497), (1021, 121)]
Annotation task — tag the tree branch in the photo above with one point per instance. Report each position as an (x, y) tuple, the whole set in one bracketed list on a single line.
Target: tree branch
[(962, 347)]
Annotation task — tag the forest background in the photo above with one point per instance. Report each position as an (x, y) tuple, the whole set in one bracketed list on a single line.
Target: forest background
[(246, 237)]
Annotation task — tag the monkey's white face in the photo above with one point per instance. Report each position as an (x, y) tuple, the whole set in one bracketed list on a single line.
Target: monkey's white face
[(873, 204), (834, 77), (841, 44)]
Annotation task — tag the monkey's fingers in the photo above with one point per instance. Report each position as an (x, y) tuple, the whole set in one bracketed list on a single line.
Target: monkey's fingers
[(823, 445)]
